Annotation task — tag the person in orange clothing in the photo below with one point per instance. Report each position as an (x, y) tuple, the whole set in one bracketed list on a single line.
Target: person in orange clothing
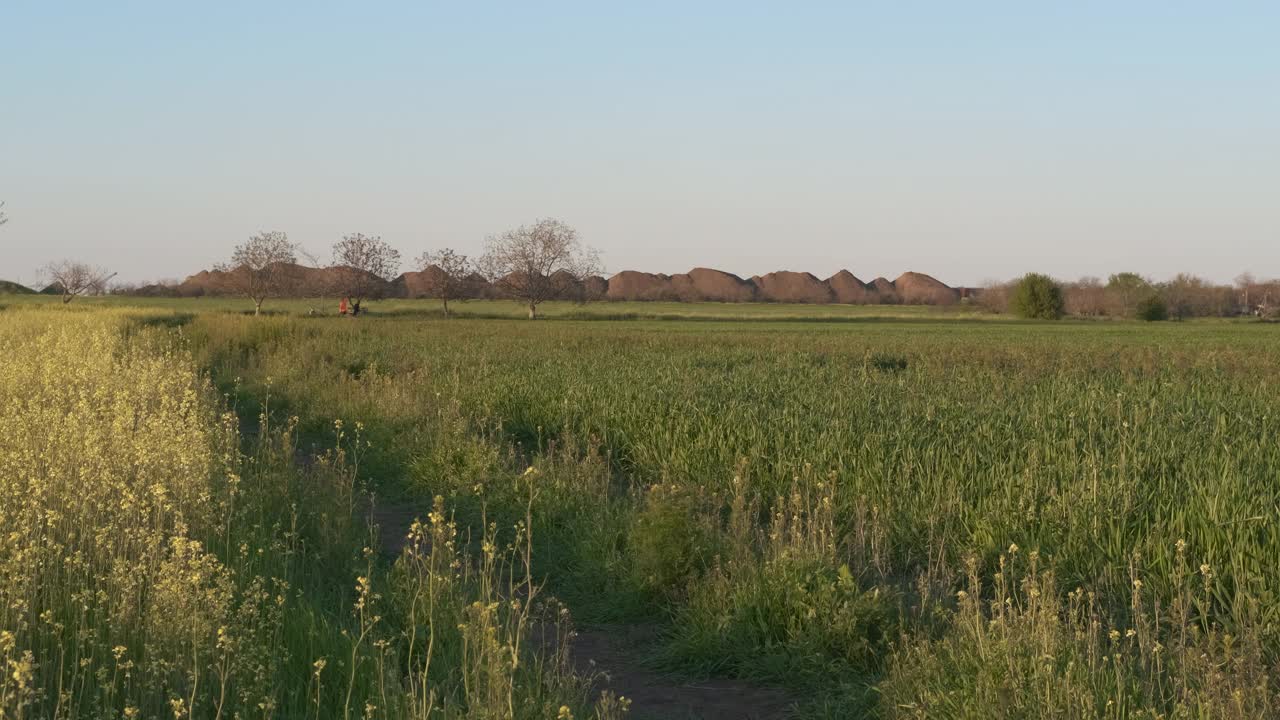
[(342, 307)]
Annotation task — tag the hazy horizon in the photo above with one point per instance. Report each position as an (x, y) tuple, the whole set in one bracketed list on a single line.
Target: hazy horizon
[(969, 142)]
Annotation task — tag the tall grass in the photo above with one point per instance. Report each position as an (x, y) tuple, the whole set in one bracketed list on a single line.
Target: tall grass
[(911, 520), (154, 563), (671, 452)]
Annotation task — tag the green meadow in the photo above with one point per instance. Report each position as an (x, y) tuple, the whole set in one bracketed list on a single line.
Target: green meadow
[(874, 511)]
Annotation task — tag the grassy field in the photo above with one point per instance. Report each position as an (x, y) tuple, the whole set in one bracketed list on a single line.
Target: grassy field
[(884, 511), (496, 309)]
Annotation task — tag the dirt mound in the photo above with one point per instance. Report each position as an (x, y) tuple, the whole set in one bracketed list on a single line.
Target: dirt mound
[(706, 284), (299, 281), (567, 286), (419, 283), (635, 285), (883, 291), (595, 287), (792, 287), (697, 285), (206, 282), (846, 288), (919, 289), (12, 288), (156, 290), (428, 283)]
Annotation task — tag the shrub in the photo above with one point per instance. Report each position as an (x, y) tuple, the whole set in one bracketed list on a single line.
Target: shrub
[(786, 599), (668, 542), (1152, 309), (1037, 297), (794, 619)]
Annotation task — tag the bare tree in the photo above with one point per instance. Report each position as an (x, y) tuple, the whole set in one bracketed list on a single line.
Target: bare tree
[(993, 296), (535, 263), (365, 264), (264, 266), (1189, 296), (1247, 285), (1086, 297), (71, 278), (448, 275)]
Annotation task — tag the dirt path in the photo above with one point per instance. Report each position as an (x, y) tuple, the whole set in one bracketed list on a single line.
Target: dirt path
[(614, 653)]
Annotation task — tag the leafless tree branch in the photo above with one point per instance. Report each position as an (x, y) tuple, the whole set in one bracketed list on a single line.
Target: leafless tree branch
[(535, 263), (448, 274), (365, 264), (264, 266), (72, 279)]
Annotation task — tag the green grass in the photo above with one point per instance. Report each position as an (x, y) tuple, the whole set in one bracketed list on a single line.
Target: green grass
[(494, 309), (798, 493)]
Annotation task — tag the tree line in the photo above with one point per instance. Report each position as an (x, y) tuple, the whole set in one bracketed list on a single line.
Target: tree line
[(1130, 295), (530, 264), (545, 261)]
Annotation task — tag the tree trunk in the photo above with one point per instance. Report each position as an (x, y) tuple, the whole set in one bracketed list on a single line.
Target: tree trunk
[(257, 307), (533, 311), (446, 306), (66, 298)]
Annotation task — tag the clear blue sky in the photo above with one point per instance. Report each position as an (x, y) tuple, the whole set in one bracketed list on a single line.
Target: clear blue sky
[(969, 140)]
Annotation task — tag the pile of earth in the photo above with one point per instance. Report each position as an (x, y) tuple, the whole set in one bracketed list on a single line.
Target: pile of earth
[(12, 288), (697, 285)]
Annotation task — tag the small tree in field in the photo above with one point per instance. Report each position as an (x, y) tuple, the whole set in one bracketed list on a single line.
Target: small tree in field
[(71, 279), (364, 265), (1125, 290), (453, 277), (1152, 308), (1037, 297), (535, 263), (263, 267)]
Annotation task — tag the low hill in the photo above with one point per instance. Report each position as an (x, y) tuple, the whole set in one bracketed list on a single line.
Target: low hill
[(13, 288)]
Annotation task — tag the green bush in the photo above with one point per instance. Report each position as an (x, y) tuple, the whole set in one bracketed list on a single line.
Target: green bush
[(1037, 297), (1152, 309), (798, 620), (669, 544)]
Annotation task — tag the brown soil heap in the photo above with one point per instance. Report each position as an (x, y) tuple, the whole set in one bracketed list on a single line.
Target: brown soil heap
[(595, 287), (792, 287), (634, 285), (697, 285), (919, 289), (883, 291), (419, 284), (846, 288), (705, 284)]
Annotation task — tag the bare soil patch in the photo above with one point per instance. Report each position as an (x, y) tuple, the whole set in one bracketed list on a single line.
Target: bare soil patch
[(613, 653)]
